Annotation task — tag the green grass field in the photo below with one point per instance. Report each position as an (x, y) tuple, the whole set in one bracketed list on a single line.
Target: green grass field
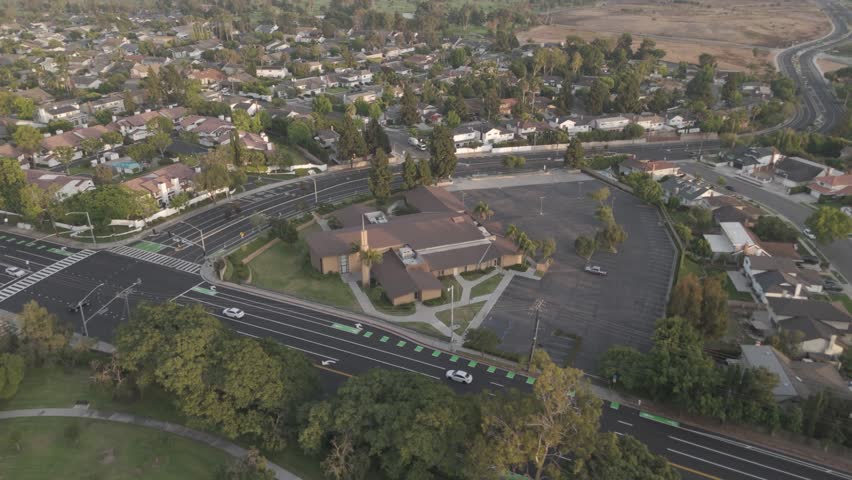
[(283, 268), (50, 448), (486, 287), (462, 315), (424, 328)]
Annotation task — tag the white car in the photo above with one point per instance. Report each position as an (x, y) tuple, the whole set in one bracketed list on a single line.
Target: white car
[(808, 233), (16, 272), (460, 376), (595, 270), (233, 313)]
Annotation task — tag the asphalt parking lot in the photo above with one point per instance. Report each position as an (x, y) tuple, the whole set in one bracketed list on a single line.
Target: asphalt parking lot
[(584, 314)]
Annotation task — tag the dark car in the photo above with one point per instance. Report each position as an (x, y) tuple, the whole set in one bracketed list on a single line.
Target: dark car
[(809, 260), (75, 307), (730, 187), (832, 287)]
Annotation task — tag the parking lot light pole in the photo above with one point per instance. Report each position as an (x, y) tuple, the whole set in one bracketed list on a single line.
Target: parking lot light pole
[(89, 222), (82, 313), (452, 290)]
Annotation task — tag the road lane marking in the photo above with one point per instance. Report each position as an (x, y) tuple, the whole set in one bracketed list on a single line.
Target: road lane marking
[(305, 317), (187, 290), (497, 384), (340, 339), (715, 464), (291, 346), (353, 330), (625, 423), (770, 453), (696, 472), (234, 320), (738, 458)]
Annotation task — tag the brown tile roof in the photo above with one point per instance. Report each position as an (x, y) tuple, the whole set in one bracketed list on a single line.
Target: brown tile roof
[(149, 182), (45, 179), (433, 199), (778, 249)]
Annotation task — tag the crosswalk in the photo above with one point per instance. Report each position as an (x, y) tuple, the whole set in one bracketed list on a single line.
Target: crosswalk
[(45, 272), (157, 258)]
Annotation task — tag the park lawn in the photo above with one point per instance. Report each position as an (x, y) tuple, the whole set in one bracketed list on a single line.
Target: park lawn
[(462, 315), (486, 287), (55, 387), (380, 301), (102, 450), (284, 268)]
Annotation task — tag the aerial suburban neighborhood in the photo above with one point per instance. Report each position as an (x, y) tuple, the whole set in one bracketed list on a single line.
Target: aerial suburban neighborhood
[(351, 239)]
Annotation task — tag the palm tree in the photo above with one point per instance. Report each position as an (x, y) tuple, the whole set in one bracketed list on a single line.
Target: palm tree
[(512, 232), (369, 258), (483, 211)]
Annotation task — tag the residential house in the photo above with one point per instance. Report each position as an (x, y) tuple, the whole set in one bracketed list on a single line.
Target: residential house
[(352, 78), (368, 96), (256, 141), (750, 159), (71, 139), (734, 239), (506, 106), (496, 135), (464, 135), (764, 356), (140, 70), (113, 102), (309, 85), (37, 95), (208, 76), (135, 126), (164, 183), (62, 186), (821, 323), (650, 123), (397, 67), (562, 123), (68, 111), (86, 82), (9, 151), (266, 29), (272, 71), (657, 169), (780, 277), (795, 172), (327, 137), (610, 123), (835, 186), (416, 249), (688, 190), (190, 52), (211, 131)]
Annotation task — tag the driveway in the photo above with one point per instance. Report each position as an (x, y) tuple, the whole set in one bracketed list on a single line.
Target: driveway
[(584, 314)]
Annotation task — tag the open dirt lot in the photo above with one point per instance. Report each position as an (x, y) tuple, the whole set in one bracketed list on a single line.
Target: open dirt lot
[(729, 29)]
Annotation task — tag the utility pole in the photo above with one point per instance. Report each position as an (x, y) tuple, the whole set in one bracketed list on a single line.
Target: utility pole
[(89, 222), (124, 295), (537, 307), (316, 194), (82, 309)]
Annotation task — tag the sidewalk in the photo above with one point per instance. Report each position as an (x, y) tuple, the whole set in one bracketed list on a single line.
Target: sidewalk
[(180, 430)]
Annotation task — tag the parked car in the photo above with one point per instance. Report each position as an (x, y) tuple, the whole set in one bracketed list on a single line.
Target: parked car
[(16, 272), (75, 307), (809, 260), (833, 288), (595, 270), (730, 187), (233, 313), (808, 233), (460, 376)]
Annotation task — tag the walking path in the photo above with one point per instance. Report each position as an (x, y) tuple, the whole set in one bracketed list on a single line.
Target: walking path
[(180, 430)]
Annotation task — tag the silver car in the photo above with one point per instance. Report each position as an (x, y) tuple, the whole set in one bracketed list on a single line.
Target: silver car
[(460, 376), (16, 272), (233, 313)]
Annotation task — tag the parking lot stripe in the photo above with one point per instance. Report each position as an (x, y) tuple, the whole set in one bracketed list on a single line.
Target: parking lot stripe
[(492, 369), (436, 353), (384, 339), (400, 343), (368, 334), (510, 374), (472, 363), (454, 358), (418, 348)]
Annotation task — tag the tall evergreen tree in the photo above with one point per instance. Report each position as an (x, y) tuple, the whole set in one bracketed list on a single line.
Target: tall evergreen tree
[(409, 172), (351, 143), (408, 107), (376, 137), (380, 177), (424, 172), (442, 153)]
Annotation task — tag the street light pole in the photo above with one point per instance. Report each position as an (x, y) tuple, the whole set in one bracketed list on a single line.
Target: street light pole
[(316, 194), (82, 313), (452, 290), (88, 222), (200, 232)]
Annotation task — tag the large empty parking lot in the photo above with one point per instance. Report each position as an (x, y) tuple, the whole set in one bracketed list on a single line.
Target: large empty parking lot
[(584, 314)]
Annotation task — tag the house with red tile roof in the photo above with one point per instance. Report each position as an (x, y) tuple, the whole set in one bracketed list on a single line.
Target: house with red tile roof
[(164, 183), (831, 186)]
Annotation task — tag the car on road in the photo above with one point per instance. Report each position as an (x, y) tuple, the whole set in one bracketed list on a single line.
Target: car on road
[(595, 270), (460, 376), (16, 272), (233, 312), (808, 233), (75, 307)]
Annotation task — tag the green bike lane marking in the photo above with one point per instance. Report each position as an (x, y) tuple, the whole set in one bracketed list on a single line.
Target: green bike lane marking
[(368, 334), (658, 419), (205, 291), (384, 339), (346, 328), (418, 348), (401, 343)]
